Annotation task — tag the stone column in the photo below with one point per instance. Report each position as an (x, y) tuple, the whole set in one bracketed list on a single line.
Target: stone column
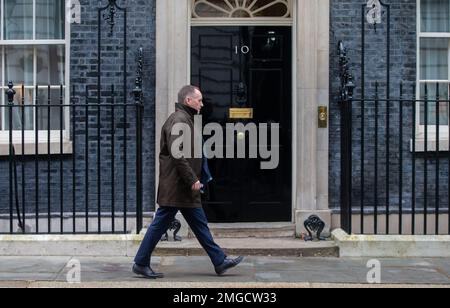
[(172, 58), (172, 65), (312, 91)]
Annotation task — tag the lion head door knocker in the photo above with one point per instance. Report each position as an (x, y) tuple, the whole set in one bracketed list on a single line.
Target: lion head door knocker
[(314, 224), (241, 93), (174, 226)]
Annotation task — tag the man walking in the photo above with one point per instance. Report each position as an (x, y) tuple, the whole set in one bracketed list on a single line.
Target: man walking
[(179, 190)]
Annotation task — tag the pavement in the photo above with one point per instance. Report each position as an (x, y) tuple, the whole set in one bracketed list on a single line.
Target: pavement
[(197, 272)]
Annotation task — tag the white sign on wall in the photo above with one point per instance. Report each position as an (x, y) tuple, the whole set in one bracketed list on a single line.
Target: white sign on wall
[(374, 14), (73, 9)]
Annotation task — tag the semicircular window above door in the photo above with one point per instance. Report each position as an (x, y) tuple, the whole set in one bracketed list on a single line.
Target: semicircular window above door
[(241, 9)]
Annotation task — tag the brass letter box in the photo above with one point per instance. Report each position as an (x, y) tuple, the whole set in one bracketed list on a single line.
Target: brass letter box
[(323, 117)]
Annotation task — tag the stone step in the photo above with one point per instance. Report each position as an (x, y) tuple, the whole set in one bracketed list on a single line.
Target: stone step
[(276, 247), (251, 230), (128, 245)]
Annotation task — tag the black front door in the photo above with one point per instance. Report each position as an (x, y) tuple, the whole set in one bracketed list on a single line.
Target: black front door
[(246, 68)]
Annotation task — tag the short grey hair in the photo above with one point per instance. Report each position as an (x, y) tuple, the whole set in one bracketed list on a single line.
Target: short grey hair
[(185, 92)]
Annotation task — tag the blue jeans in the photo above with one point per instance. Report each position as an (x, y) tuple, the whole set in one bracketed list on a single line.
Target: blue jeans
[(197, 221)]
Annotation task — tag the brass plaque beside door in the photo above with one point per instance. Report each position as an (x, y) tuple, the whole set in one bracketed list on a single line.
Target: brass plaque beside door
[(323, 117)]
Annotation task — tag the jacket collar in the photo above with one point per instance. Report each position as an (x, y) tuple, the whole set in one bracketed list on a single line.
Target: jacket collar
[(191, 111)]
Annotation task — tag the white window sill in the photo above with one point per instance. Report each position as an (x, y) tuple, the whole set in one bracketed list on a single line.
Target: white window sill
[(30, 148), (432, 144)]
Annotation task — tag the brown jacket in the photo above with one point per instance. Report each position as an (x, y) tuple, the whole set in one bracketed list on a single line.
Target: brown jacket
[(177, 176)]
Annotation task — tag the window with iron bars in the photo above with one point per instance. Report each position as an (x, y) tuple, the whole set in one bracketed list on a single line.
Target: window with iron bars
[(34, 53), (433, 64)]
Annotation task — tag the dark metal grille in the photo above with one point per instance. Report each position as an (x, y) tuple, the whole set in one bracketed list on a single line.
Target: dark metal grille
[(395, 163), (83, 174), (420, 197), (45, 196)]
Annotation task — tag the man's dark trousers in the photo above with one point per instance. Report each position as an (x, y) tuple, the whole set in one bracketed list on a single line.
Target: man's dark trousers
[(197, 221)]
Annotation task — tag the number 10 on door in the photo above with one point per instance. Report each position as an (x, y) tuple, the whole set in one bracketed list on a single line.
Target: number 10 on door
[(244, 50)]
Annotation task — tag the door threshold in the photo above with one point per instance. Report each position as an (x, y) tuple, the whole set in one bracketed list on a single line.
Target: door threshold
[(252, 230), (253, 225)]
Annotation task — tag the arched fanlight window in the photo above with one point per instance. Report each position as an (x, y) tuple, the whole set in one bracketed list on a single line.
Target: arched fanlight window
[(241, 9)]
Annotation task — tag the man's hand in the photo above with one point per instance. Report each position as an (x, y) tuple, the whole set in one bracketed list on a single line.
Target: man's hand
[(197, 186)]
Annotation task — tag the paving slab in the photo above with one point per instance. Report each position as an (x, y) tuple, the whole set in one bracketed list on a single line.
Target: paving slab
[(207, 285), (442, 265), (14, 284), (26, 277), (32, 264), (409, 275), (199, 270)]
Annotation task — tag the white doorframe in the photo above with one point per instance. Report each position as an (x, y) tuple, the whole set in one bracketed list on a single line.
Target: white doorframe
[(310, 90), (270, 22)]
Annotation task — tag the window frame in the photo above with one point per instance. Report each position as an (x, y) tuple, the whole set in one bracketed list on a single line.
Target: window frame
[(443, 129), (30, 135)]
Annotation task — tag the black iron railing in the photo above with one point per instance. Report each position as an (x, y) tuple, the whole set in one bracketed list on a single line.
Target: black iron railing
[(71, 161), (74, 166), (395, 158), (73, 180)]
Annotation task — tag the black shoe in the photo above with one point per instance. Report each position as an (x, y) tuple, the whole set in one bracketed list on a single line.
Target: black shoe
[(147, 272), (227, 264)]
